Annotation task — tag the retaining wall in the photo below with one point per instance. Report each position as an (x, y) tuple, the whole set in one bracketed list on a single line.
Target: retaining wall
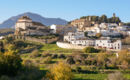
[(69, 46), (44, 41)]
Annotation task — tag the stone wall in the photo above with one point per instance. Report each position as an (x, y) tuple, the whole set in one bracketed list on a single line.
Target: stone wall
[(29, 50), (44, 41), (69, 46)]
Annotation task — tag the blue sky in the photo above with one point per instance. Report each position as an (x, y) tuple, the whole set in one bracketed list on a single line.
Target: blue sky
[(66, 9)]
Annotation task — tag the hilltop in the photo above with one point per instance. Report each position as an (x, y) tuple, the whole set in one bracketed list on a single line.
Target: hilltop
[(9, 23)]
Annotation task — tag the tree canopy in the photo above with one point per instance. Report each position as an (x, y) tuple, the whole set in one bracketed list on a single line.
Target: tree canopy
[(102, 18)]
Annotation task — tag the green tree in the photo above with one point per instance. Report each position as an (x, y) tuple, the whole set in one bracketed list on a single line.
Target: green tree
[(10, 64), (35, 54), (101, 59), (103, 18), (95, 18), (90, 50), (60, 71), (2, 50), (117, 20)]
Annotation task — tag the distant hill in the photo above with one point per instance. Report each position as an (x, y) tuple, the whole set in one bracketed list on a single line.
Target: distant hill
[(35, 17)]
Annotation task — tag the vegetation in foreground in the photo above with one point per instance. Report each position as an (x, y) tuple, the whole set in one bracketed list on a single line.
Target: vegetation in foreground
[(53, 63)]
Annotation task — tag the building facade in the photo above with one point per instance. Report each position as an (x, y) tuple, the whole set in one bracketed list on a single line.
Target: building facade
[(82, 24), (62, 29), (25, 26), (71, 36), (79, 39), (108, 44)]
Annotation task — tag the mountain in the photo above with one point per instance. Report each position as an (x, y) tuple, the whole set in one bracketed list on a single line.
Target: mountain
[(35, 17)]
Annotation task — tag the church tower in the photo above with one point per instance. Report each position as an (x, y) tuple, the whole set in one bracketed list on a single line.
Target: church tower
[(114, 15)]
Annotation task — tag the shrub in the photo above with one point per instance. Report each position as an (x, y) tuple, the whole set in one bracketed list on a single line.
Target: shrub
[(101, 59), (126, 41), (27, 63), (60, 71), (123, 59), (62, 56), (90, 50), (78, 61), (54, 56), (111, 63), (70, 60), (35, 54), (78, 69), (46, 54), (79, 58), (30, 73), (2, 50), (46, 60), (10, 64), (4, 78)]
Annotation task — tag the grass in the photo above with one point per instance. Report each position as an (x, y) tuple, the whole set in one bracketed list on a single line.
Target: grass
[(53, 48), (98, 76), (127, 75)]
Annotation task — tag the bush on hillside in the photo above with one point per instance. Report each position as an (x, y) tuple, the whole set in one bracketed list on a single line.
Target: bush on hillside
[(62, 56), (35, 54), (4, 78), (91, 50), (10, 64), (46, 54), (60, 71), (54, 56), (78, 69), (70, 60), (46, 60)]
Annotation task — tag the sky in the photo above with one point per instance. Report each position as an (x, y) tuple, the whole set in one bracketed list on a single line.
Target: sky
[(65, 9)]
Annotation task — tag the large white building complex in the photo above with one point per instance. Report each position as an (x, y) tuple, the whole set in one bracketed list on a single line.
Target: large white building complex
[(78, 38)]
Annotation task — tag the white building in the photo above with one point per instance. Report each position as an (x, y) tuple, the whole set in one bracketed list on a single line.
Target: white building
[(23, 23), (85, 42), (128, 33), (25, 26), (121, 28), (71, 36), (62, 29), (1, 37), (78, 38), (103, 25), (108, 44), (109, 33), (91, 33)]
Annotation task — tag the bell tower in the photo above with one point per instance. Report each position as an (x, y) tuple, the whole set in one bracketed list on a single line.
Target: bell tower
[(114, 15)]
